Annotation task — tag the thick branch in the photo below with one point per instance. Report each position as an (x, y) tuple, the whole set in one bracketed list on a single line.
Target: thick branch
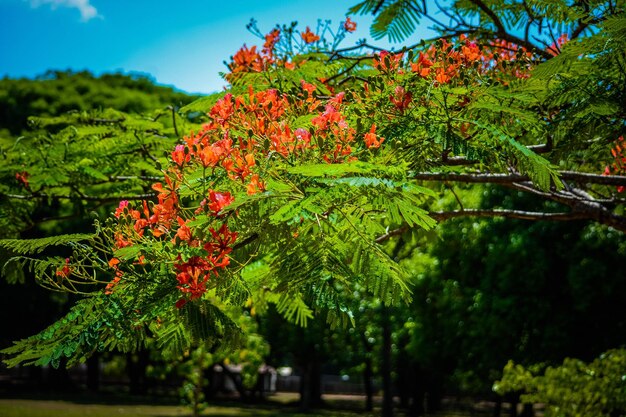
[(618, 223), (577, 177), (502, 33), (490, 13), (510, 214), (461, 160)]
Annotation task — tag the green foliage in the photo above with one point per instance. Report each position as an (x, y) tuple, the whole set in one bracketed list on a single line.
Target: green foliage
[(396, 19), (582, 85), (573, 389), (34, 246)]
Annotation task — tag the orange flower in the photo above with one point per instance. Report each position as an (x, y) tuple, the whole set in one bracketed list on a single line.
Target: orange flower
[(255, 186), (158, 231), (441, 76), (470, 51), (246, 60), (121, 241), (184, 232), (309, 37), (120, 209), (64, 271), (349, 25), (209, 156), (309, 88), (387, 62), (401, 98), (109, 288), (218, 201), (180, 155), (422, 66), (271, 39), (22, 177), (371, 140), (114, 262)]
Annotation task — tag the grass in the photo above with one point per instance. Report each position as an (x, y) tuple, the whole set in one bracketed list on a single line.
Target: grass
[(53, 408)]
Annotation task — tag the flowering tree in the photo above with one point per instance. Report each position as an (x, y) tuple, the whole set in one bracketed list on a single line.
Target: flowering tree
[(317, 156)]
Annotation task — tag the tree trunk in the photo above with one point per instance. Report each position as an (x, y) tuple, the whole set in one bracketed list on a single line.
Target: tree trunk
[(58, 379), (136, 368), (528, 411), (418, 392), (368, 374), (367, 380), (93, 372), (310, 385), (513, 410), (387, 410), (435, 393), (497, 409), (210, 389), (237, 381)]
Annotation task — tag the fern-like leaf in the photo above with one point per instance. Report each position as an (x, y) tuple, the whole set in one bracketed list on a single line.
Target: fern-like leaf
[(34, 246)]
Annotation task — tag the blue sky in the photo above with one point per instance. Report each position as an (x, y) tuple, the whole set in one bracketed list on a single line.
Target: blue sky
[(181, 43)]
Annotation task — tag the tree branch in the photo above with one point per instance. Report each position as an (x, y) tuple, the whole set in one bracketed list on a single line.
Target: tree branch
[(577, 177), (617, 222), (510, 214)]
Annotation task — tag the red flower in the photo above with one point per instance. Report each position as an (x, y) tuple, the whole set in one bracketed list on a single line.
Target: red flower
[(114, 262), (254, 186), (223, 239), (309, 37), (180, 156), (401, 98), (349, 25), (64, 271), (309, 88), (371, 140), (22, 177), (422, 66), (271, 39), (120, 209), (184, 232), (193, 276), (218, 201), (387, 62)]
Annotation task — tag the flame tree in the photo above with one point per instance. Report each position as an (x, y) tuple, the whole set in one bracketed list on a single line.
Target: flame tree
[(317, 156)]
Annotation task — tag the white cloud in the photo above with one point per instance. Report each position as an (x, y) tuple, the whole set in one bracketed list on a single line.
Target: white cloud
[(86, 9)]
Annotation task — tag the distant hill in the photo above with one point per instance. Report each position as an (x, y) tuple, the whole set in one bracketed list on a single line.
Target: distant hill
[(56, 92)]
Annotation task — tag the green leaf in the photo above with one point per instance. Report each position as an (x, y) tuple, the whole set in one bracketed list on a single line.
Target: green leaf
[(34, 246)]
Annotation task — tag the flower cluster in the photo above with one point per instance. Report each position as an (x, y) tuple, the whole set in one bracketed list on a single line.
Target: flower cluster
[(194, 273), (65, 270), (278, 51), (233, 150), (444, 62)]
